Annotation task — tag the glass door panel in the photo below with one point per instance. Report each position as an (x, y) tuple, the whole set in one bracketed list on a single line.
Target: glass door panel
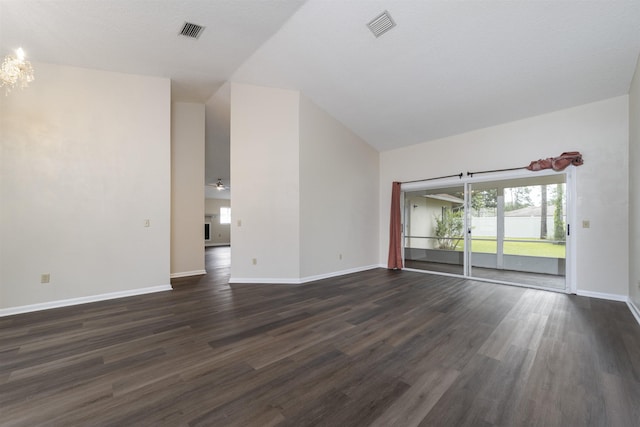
[(530, 231), (434, 230), (483, 223)]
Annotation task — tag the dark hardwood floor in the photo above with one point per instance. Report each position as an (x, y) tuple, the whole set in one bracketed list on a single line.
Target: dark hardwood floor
[(382, 348)]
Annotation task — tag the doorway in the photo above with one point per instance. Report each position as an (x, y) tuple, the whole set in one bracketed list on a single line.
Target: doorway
[(509, 230)]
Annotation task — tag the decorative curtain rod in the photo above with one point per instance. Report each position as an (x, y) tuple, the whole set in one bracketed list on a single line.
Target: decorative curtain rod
[(459, 175), (556, 163), (470, 174)]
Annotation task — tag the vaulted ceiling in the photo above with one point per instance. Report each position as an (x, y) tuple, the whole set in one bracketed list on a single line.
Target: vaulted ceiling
[(446, 68), (141, 36), (449, 66)]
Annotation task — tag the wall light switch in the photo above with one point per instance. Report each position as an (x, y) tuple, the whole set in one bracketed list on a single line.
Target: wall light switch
[(254, 261), (147, 223), (45, 278), (586, 223), (239, 223)]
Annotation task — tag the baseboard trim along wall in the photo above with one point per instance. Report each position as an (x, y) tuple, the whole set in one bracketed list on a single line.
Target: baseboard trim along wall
[(280, 281), (602, 295), (337, 273), (82, 300), (188, 274), (264, 281), (634, 310)]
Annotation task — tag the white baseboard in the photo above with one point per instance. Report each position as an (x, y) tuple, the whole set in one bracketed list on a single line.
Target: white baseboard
[(188, 274), (307, 279), (337, 273), (264, 280), (634, 310), (81, 300), (602, 295)]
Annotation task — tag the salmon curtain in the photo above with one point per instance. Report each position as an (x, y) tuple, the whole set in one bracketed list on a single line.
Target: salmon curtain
[(395, 230), (557, 163)]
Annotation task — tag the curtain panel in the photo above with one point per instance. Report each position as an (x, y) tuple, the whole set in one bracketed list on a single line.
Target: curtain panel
[(395, 230)]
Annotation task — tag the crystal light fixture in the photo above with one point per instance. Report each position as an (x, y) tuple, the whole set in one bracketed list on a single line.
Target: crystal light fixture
[(15, 71)]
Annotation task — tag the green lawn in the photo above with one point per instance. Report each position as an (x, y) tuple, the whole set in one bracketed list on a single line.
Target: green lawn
[(534, 247)]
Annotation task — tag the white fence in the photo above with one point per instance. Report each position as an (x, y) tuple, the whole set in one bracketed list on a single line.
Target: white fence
[(514, 226)]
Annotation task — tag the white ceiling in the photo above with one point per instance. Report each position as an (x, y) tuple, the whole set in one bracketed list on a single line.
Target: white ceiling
[(448, 67), (141, 36)]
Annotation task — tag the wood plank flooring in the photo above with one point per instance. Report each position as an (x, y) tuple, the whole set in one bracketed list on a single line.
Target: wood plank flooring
[(378, 348)]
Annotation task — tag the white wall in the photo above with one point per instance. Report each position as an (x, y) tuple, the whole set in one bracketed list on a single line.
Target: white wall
[(634, 187), (305, 190), (187, 179), (217, 138), (220, 233), (338, 195), (266, 178), (85, 159), (599, 130)]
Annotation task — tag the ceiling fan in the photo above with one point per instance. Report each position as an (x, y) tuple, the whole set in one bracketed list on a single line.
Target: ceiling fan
[(219, 185)]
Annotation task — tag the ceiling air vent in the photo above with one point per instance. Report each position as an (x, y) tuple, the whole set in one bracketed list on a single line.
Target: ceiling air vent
[(191, 30), (381, 24)]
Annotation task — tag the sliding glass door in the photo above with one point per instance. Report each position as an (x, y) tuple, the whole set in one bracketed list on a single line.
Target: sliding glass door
[(518, 231), (434, 230), (508, 230)]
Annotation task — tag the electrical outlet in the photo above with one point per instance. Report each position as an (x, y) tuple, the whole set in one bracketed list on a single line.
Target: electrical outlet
[(254, 261), (45, 278)]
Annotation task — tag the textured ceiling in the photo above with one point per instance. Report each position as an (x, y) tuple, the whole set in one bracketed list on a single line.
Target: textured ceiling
[(449, 66), (141, 36)]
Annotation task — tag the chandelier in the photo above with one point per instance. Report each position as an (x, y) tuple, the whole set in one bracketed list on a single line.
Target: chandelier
[(15, 71)]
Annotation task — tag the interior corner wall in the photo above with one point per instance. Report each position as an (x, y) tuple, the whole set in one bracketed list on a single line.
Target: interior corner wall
[(338, 196), (600, 131), (220, 233), (217, 135), (85, 159), (634, 188), (265, 219), (187, 194)]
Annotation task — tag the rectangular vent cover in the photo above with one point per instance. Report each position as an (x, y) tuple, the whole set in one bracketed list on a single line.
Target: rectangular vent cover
[(191, 30), (381, 24)]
